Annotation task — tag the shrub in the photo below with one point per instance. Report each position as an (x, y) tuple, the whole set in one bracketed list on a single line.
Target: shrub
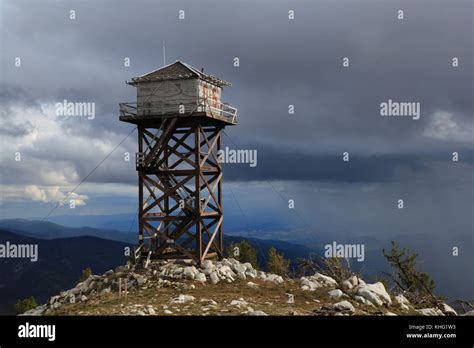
[(276, 263), (25, 305), (86, 273)]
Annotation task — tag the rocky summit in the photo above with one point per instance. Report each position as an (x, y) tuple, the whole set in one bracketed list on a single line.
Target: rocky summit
[(225, 287)]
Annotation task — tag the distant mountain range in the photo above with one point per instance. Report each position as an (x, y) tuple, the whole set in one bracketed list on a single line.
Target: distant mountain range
[(59, 266), (49, 230)]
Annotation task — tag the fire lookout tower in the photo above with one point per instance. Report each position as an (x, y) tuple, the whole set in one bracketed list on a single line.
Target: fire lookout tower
[(179, 116)]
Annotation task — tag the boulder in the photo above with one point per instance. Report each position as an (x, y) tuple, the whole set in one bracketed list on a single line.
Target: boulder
[(354, 280), (257, 313), (252, 285), (105, 291), (402, 302), (109, 273), (140, 280), (448, 310), (226, 271), (200, 277), (274, 278), (190, 272), (374, 293), (335, 294), (238, 268), (182, 299), (248, 266), (239, 303), (347, 285), (121, 269), (325, 280), (344, 306), (430, 312), (307, 284), (363, 300), (208, 267), (214, 278)]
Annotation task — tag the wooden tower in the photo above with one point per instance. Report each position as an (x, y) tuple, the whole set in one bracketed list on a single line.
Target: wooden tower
[(179, 116)]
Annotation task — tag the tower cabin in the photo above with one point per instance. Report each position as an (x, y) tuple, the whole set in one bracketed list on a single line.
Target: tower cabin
[(178, 89)]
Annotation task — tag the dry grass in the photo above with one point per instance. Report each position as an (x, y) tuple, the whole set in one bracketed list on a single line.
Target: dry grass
[(268, 297)]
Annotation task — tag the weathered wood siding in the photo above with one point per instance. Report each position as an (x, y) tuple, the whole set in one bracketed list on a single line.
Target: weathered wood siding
[(160, 97), (211, 92)]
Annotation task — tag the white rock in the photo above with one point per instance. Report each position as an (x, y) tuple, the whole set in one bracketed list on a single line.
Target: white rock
[(167, 311), (369, 296), (108, 273), (335, 294), (227, 272), (140, 280), (238, 268), (448, 310), (182, 299), (208, 267), (151, 311), (307, 284), (374, 293), (258, 313), (239, 303), (248, 266), (210, 302), (241, 276), (53, 299), (390, 314), (200, 277), (252, 285), (190, 272), (430, 312), (354, 280), (214, 278), (105, 291), (344, 305), (402, 302), (347, 285), (274, 278), (325, 280), (363, 300)]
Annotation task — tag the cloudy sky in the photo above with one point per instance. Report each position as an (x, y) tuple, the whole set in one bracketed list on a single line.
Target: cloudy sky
[(282, 62)]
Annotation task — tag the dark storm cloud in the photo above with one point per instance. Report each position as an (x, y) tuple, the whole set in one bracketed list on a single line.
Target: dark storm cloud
[(273, 164), (282, 62)]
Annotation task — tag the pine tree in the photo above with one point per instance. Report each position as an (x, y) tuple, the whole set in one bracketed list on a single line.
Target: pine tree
[(25, 305), (418, 286), (86, 273), (276, 263)]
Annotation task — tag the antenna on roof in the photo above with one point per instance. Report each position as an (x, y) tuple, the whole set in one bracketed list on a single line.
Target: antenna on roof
[(164, 54)]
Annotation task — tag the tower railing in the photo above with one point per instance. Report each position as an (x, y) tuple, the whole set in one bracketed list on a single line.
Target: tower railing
[(160, 108)]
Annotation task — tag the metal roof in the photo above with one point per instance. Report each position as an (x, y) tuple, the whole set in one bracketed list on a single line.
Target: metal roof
[(177, 71)]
